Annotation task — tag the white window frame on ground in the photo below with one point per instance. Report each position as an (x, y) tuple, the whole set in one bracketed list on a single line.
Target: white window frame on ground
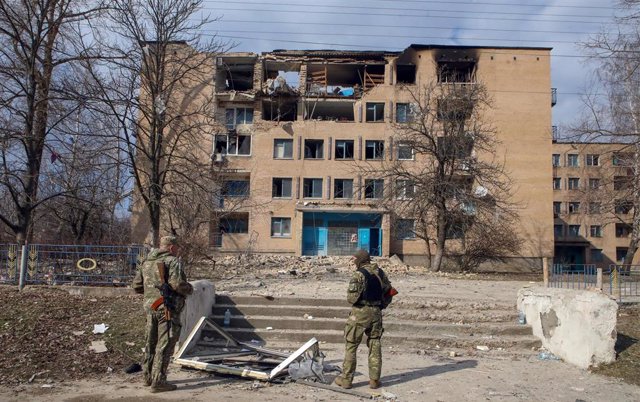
[(339, 194), (405, 189), (373, 189), (404, 112), (557, 183), (377, 150), (318, 144), (282, 181), (573, 160), (344, 149), (592, 160), (280, 148), (312, 184), (573, 230), (280, 227), (573, 183), (595, 231), (403, 152), (374, 112), (555, 160), (405, 229), (235, 116)]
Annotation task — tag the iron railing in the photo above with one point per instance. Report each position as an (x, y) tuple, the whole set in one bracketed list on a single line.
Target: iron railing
[(573, 276), (622, 282)]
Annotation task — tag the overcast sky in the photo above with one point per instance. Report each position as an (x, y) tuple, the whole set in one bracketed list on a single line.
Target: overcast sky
[(259, 26)]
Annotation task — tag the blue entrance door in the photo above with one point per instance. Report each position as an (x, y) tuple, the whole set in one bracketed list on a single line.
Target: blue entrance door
[(314, 241), (364, 238)]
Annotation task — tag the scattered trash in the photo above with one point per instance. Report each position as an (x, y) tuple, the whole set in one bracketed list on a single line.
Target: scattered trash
[(130, 343), (388, 396), (98, 347), (269, 328), (307, 317), (47, 386), (453, 354), (109, 369), (33, 377), (547, 356), (482, 348), (134, 368), (577, 389), (100, 328), (227, 319), (78, 333)]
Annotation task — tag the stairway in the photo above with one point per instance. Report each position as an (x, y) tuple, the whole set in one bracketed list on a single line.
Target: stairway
[(424, 324)]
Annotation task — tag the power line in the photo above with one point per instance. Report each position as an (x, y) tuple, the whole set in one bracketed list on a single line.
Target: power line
[(414, 16), (342, 7), (223, 21), (397, 36), (494, 4)]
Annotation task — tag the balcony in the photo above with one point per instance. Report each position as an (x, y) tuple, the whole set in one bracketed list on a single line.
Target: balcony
[(554, 96)]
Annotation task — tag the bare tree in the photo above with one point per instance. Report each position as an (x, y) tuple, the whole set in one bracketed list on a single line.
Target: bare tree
[(39, 39), (159, 91), (445, 177), (615, 117)]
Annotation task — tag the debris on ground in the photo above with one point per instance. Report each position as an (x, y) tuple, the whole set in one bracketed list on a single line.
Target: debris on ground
[(98, 347), (482, 348), (100, 328)]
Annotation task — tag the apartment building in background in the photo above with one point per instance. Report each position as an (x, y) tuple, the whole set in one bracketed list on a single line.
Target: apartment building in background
[(295, 126), (591, 206)]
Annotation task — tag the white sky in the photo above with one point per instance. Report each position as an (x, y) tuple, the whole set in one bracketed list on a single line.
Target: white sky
[(259, 26)]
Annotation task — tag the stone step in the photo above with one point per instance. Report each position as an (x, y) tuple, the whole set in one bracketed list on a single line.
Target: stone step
[(343, 312), (396, 339), (279, 301), (391, 325)]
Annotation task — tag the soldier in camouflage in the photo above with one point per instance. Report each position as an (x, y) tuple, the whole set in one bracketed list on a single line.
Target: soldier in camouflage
[(367, 294), (161, 334)]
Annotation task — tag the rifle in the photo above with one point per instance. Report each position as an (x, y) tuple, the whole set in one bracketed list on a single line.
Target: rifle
[(166, 293)]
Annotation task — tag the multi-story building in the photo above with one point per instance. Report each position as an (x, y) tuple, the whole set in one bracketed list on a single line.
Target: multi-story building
[(591, 206), (299, 124)]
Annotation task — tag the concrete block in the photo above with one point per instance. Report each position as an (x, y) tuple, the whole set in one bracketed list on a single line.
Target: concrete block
[(578, 326), (197, 304)]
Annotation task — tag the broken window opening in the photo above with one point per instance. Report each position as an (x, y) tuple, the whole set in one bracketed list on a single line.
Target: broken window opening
[(343, 188), (281, 78), (343, 80), (344, 149), (280, 109), (235, 223), (313, 149), (374, 149), (235, 74), (463, 71), (405, 74), (233, 144), (330, 111)]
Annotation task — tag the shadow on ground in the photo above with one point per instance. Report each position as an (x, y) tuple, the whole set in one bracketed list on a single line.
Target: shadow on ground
[(424, 372)]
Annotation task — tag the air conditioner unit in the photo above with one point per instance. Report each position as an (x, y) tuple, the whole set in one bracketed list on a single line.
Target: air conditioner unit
[(218, 157)]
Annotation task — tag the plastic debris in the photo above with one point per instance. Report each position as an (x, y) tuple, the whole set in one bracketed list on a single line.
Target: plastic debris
[(482, 348), (98, 347), (100, 328), (545, 355)]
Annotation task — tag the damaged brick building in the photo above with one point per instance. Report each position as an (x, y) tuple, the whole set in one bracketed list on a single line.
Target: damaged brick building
[(298, 123)]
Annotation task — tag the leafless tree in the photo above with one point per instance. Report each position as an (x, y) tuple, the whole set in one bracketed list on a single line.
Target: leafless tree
[(158, 88), (612, 114), (40, 39), (446, 179)]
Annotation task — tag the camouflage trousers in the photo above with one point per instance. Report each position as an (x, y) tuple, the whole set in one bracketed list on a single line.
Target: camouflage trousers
[(161, 337), (365, 320)]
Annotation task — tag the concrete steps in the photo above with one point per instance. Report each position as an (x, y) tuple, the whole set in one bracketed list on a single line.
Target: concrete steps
[(456, 325)]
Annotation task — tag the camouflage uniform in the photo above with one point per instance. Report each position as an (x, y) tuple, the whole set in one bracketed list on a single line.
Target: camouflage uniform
[(365, 319), (161, 335)]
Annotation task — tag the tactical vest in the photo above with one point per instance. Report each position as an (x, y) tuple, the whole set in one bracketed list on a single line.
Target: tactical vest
[(372, 292)]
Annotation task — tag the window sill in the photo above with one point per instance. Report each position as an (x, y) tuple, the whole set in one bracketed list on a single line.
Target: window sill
[(312, 198), (281, 237), (283, 159), (313, 159), (344, 159), (282, 198)]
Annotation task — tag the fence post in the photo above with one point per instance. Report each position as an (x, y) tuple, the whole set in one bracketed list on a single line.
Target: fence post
[(599, 279), (545, 271), (23, 267)]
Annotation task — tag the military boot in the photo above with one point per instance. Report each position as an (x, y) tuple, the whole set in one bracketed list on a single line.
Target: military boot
[(342, 382), (163, 387), (374, 384)]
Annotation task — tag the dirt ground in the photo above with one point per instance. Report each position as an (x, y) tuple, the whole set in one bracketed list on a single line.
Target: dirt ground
[(45, 357)]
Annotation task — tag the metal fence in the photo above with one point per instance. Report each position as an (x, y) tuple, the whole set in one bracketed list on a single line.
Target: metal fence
[(622, 282), (78, 264)]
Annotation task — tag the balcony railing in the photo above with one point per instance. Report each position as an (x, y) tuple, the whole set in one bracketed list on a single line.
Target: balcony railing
[(554, 96)]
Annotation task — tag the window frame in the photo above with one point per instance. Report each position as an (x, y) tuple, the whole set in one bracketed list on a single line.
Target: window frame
[(343, 147), (236, 113), (246, 184), (283, 141), (557, 180), (571, 186), (375, 112), (573, 207), (375, 187), (377, 149), (403, 146), (407, 113), (405, 233), (570, 230), (595, 230), (336, 192), (555, 160), (402, 185), (308, 183), (573, 160), (281, 233), (282, 179), (592, 159), (235, 218), (317, 142), (227, 142)]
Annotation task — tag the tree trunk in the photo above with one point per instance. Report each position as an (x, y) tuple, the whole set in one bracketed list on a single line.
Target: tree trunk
[(440, 241)]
